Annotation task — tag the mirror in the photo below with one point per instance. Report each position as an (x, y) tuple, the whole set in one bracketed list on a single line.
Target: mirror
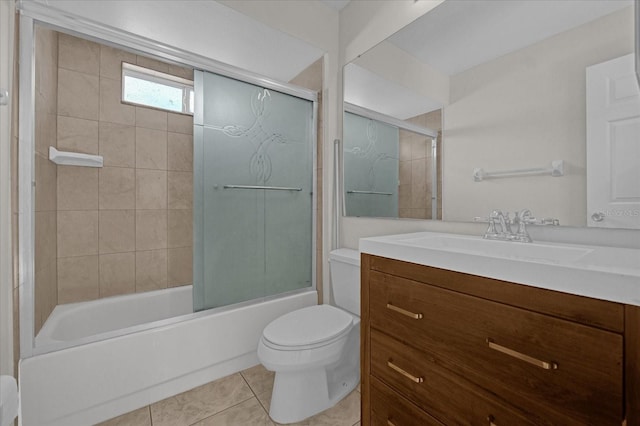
[(508, 79)]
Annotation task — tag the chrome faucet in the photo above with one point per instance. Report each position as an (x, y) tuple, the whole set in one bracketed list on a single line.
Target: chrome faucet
[(500, 225), (522, 219)]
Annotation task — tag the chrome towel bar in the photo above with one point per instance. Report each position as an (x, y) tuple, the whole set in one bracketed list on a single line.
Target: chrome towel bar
[(270, 188)]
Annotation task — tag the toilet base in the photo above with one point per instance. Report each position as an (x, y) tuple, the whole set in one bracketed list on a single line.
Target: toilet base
[(299, 395)]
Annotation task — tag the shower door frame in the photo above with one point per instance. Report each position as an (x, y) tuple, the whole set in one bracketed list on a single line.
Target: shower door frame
[(32, 13)]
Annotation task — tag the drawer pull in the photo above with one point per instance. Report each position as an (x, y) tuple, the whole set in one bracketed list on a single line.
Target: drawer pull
[(526, 358), (390, 423), (409, 376), (491, 420), (404, 312)]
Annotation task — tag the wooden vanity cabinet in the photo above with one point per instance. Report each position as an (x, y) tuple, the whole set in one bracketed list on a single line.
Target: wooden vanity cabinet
[(443, 347)]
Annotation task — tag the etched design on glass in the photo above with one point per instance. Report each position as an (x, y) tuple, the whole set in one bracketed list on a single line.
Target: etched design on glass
[(370, 152), (261, 139)]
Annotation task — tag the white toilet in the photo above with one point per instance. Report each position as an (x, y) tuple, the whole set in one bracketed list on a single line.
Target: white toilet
[(315, 351)]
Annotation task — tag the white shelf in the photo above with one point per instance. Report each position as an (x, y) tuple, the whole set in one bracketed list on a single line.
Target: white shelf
[(63, 158)]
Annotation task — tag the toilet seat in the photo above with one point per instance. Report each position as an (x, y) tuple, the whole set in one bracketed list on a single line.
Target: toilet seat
[(307, 328)]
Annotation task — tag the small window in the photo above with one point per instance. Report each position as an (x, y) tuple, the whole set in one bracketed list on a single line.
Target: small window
[(142, 86)]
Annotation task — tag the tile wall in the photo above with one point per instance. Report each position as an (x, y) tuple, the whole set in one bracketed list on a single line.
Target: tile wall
[(125, 227), (414, 191), (46, 100)]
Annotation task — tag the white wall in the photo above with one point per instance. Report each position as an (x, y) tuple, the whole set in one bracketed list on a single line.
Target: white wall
[(523, 110), (6, 285)]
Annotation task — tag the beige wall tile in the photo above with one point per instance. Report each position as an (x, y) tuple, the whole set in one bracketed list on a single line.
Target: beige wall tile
[(46, 69), (151, 229), (180, 228), (151, 118), (117, 188), (180, 266), (77, 279), (179, 71), (151, 149), (78, 55), (111, 61), (111, 107), (180, 190), (118, 144), (419, 195), (45, 238), (151, 270), (77, 233), (77, 135), (45, 129), (405, 149), (117, 274), (180, 152), (46, 179), (152, 64), (78, 94), (180, 123), (117, 231), (418, 171), (405, 172), (151, 189), (419, 147), (404, 196), (77, 188)]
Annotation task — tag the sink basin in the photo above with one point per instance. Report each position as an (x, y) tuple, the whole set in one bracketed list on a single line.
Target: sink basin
[(504, 249)]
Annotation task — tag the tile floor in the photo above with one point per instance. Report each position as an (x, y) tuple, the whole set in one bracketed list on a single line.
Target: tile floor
[(241, 399)]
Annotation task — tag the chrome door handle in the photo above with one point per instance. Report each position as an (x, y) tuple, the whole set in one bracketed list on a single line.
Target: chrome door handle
[(597, 217)]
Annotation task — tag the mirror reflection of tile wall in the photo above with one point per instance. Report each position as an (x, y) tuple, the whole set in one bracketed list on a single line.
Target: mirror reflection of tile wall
[(122, 228), (416, 170)]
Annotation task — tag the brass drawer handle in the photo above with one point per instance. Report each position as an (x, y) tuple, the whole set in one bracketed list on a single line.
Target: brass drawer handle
[(404, 312), (526, 358), (390, 423), (491, 419), (409, 376)]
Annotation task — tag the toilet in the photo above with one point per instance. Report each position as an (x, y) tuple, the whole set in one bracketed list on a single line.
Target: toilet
[(315, 351)]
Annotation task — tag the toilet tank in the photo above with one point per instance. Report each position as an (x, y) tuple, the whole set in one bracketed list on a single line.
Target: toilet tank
[(345, 279)]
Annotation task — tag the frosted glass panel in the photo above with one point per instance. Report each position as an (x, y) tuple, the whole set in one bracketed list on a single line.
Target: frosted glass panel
[(255, 242), (371, 163)]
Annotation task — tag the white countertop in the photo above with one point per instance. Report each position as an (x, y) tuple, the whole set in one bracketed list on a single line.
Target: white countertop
[(606, 273)]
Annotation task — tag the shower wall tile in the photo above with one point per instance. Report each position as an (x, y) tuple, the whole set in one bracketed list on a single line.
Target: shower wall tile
[(180, 190), (77, 279), (117, 144), (111, 61), (180, 152), (77, 135), (151, 189), (180, 123), (180, 228), (153, 64), (150, 118), (151, 270), (77, 233), (117, 274), (46, 70), (151, 229), (45, 129), (45, 190), (111, 107), (117, 188), (78, 94), (151, 149), (45, 238), (77, 54), (77, 188), (180, 71), (179, 266), (117, 230)]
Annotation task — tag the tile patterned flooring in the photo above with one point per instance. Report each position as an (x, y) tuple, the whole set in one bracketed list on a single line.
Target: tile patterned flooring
[(241, 399)]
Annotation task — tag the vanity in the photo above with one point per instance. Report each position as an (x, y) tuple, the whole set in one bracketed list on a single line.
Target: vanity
[(458, 330)]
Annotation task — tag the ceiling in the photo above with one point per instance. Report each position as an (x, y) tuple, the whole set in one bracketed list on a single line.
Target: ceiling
[(460, 34)]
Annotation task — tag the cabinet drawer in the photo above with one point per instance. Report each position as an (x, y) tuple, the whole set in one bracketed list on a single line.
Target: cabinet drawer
[(445, 396), (390, 409), (541, 363)]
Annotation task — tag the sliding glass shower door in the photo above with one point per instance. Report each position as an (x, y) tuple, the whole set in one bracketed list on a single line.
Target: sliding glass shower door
[(253, 196)]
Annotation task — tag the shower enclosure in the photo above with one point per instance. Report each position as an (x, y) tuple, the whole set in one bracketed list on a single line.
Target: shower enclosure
[(253, 192)]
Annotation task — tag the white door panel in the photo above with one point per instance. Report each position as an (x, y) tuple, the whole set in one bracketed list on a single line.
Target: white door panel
[(613, 144)]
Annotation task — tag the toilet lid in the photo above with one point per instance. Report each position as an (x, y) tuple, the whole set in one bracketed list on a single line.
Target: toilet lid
[(308, 326)]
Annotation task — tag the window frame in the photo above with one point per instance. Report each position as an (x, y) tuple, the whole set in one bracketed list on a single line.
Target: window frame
[(162, 78)]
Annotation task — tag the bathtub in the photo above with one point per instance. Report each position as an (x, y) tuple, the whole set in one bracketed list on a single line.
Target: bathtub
[(81, 378)]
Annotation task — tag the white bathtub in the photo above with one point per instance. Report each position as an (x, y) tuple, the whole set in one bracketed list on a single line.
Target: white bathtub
[(77, 323), (94, 380)]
